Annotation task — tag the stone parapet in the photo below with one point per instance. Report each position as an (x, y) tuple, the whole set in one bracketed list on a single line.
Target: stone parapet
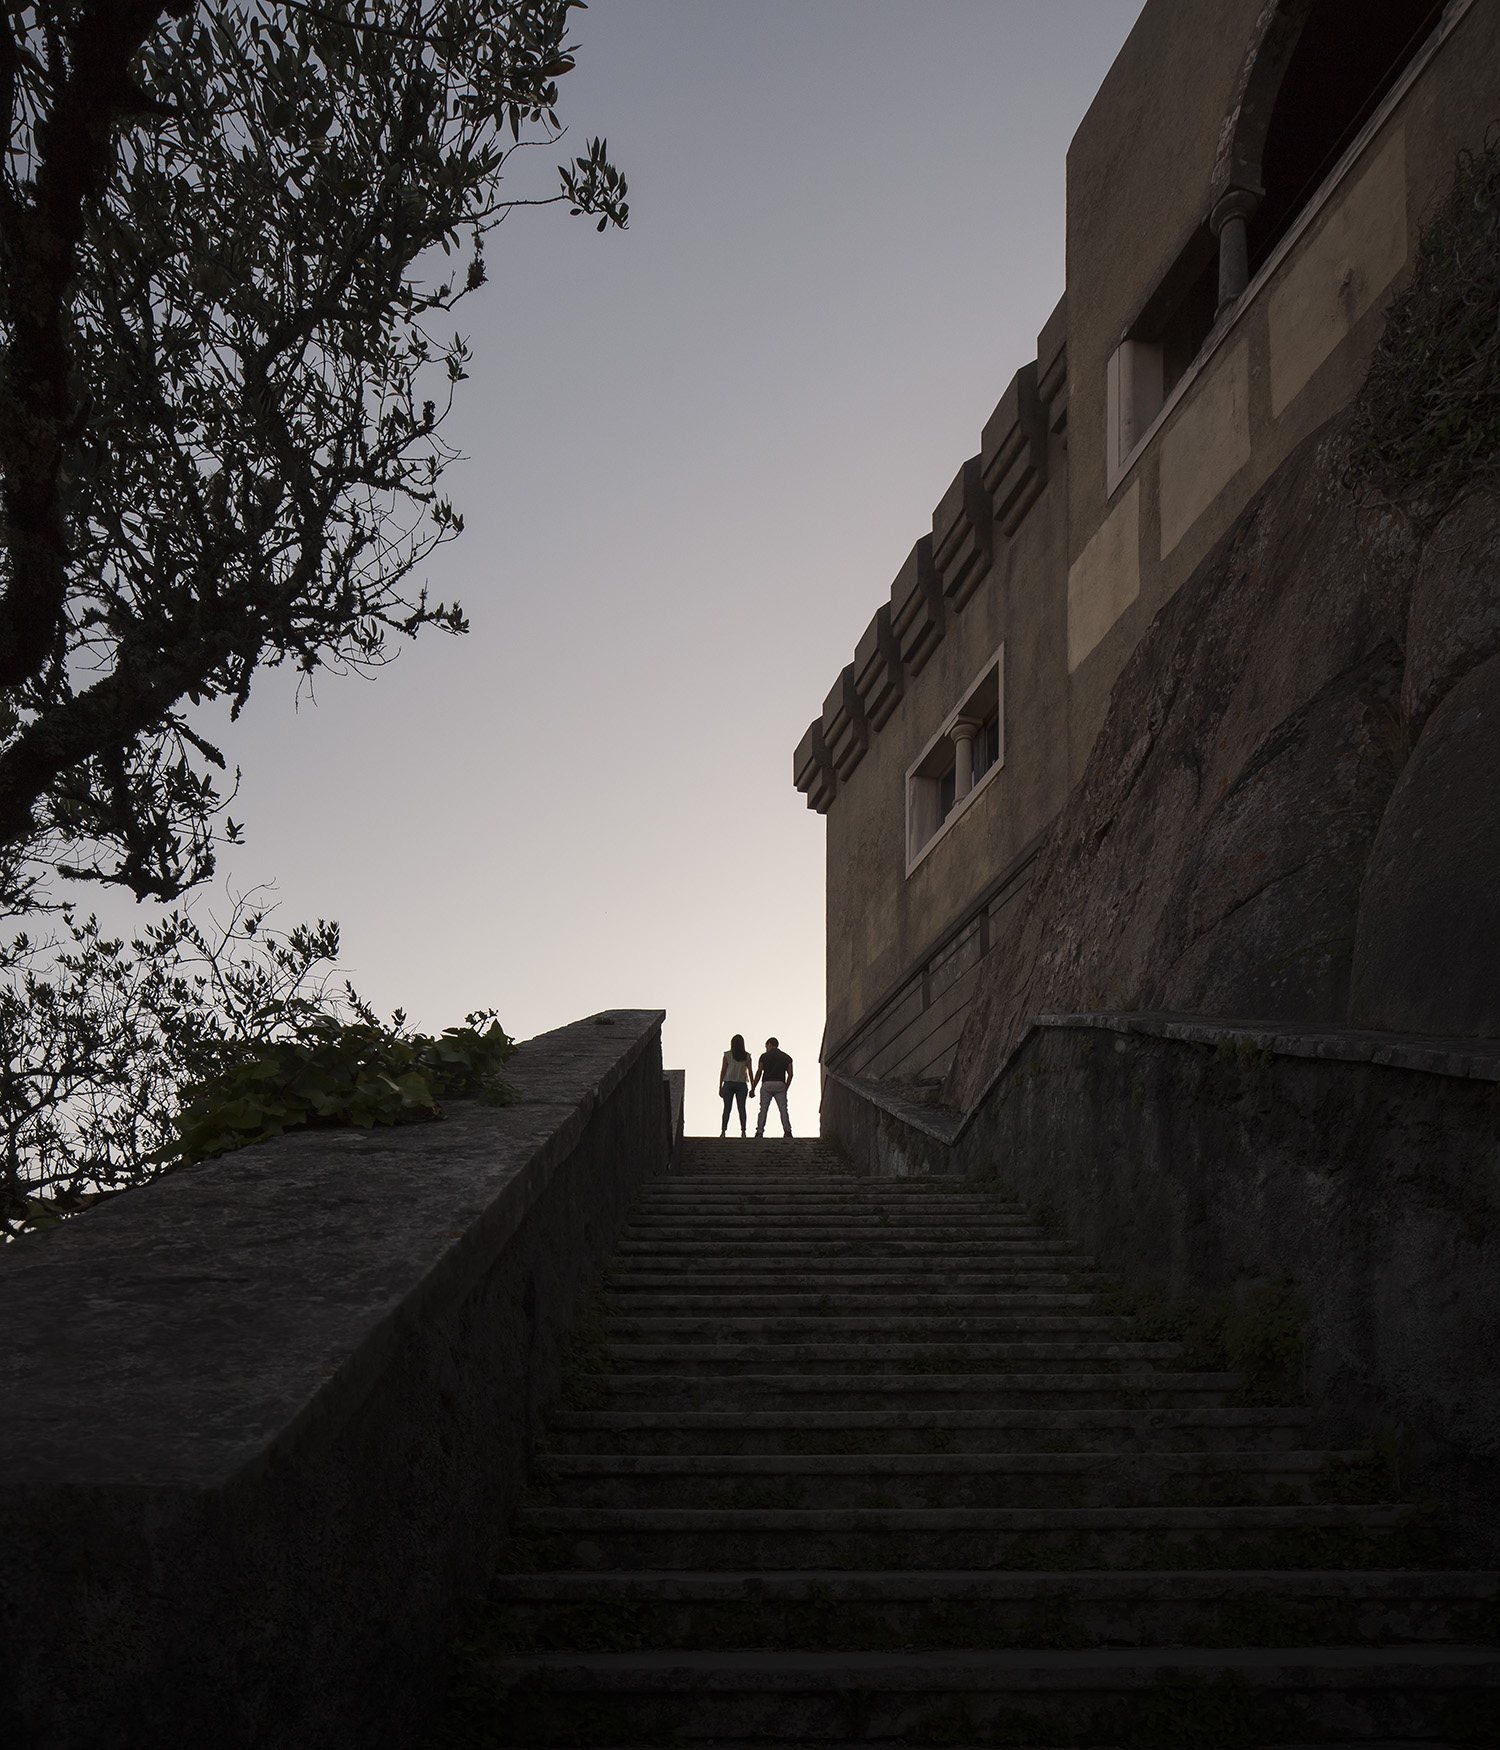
[(1013, 456), (944, 570), (846, 734), (1052, 367), (265, 1419), (879, 677), (812, 769), (918, 616), (963, 535)]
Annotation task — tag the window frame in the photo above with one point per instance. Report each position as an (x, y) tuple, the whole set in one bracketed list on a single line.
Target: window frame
[(995, 665)]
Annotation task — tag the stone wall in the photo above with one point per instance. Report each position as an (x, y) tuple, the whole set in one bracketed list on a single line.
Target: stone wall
[(1064, 559), (1207, 1157), (265, 1419)]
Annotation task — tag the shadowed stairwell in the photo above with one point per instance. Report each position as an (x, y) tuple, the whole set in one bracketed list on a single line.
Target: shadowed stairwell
[(846, 1460)]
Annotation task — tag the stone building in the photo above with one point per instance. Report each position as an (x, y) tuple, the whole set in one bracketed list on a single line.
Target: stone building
[(1245, 195)]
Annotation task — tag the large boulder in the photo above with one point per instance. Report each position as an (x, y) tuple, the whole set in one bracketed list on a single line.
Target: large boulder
[(1210, 858), (1427, 949)]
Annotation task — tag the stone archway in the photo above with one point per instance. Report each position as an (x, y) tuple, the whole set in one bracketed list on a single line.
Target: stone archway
[(1309, 81)]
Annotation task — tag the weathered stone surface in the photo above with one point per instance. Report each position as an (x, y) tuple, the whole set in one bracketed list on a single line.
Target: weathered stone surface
[(1260, 922), (1454, 623), (264, 1420), (1202, 1160), (1427, 952), (1210, 857)]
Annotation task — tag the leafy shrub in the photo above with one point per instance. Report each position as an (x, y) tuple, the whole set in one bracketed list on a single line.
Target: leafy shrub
[(120, 1060), (1427, 422), (343, 1073)]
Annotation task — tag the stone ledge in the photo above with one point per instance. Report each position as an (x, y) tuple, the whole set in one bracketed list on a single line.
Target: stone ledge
[(941, 1123), (267, 1419), (1472, 1059), (188, 1332)]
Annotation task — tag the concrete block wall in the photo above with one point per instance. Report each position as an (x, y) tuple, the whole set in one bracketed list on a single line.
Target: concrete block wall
[(264, 1420)]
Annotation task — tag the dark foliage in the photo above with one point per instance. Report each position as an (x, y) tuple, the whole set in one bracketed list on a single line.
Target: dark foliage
[(228, 235)]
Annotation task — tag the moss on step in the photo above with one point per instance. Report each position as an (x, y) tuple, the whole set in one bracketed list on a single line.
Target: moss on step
[(1258, 1334), (1277, 1622), (586, 1360)]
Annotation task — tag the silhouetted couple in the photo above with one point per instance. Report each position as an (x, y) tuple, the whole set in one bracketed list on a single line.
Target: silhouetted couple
[(773, 1076)]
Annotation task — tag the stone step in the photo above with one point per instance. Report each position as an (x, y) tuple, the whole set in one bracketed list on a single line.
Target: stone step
[(629, 1302), (855, 1214), (890, 1357), (971, 1235), (832, 1186), (835, 1202), (1113, 1427), (911, 1480), (792, 1223), (960, 1274), (1108, 1696), (719, 1329), (772, 1517), (762, 1158), (856, 1278), (888, 1390), (813, 1246), (833, 1608), (888, 1536)]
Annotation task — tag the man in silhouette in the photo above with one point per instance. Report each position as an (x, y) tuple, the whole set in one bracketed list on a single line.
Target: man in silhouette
[(774, 1076)]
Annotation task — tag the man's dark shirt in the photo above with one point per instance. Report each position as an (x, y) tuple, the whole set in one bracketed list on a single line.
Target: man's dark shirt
[(775, 1066)]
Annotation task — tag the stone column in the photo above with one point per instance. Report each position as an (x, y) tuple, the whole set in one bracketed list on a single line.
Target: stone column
[(962, 735), (1227, 221)]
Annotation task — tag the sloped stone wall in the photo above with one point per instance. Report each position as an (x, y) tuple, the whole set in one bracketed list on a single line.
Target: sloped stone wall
[(264, 1420), (1204, 1158)]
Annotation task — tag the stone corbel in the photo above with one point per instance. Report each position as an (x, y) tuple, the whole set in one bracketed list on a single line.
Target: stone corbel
[(918, 613), (812, 769), (1013, 451), (962, 534), (878, 676), (846, 734)]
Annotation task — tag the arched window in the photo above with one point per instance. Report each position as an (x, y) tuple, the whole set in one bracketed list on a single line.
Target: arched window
[(1346, 58), (1314, 75)]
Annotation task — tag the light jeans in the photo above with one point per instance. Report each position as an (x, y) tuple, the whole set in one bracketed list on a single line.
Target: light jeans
[(769, 1092)]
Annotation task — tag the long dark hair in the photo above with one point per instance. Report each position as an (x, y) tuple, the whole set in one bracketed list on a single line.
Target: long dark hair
[(737, 1049)]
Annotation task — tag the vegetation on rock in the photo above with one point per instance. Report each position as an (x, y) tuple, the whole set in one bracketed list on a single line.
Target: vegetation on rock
[(1427, 422)]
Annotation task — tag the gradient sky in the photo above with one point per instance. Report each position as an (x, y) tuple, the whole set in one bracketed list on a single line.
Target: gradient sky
[(697, 454)]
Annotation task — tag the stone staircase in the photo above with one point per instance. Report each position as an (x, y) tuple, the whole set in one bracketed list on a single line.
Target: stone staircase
[(872, 1461)]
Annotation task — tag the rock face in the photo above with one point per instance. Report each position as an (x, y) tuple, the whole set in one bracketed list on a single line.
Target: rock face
[(1454, 622), (1211, 857), (1427, 951)]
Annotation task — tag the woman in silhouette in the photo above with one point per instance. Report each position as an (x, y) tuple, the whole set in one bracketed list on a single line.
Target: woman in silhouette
[(734, 1080)]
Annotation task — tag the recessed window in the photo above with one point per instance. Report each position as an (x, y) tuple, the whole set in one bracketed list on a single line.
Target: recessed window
[(1162, 343), (959, 760)]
